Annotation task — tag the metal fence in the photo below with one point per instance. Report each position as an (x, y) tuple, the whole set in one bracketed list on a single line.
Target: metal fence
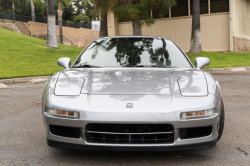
[(7, 15), (65, 41)]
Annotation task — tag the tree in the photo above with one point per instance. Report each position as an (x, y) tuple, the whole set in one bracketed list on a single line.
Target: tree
[(60, 12), (89, 10), (82, 18), (68, 11), (103, 7), (195, 46), (139, 10), (94, 13), (32, 7), (6, 4), (78, 5), (32, 10), (51, 24)]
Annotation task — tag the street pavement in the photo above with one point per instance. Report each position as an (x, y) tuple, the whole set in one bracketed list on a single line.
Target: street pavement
[(23, 142)]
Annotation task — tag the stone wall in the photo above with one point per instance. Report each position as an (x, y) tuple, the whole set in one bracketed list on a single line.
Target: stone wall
[(10, 26), (241, 44), (80, 37)]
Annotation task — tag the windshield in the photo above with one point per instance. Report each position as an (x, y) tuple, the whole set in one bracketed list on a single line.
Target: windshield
[(132, 52)]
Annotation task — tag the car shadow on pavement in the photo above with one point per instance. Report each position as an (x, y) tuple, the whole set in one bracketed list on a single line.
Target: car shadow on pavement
[(135, 158)]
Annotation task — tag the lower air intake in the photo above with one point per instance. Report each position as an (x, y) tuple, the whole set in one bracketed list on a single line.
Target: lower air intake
[(195, 132), (129, 133), (65, 131)]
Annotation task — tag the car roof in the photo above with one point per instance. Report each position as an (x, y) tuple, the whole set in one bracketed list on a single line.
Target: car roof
[(113, 37)]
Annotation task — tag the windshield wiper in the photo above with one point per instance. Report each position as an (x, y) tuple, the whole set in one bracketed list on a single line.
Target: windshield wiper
[(141, 66), (156, 66), (83, 66), (164, 66)]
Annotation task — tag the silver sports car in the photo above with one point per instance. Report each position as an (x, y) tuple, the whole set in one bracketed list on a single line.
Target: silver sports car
[(133, 93)]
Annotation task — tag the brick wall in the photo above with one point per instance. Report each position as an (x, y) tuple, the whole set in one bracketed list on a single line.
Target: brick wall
[(241, 44), (10, 26), (80, 37)]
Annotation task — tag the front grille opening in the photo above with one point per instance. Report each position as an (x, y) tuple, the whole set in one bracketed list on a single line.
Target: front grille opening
[(129, 133), (129, 128), (70, 132), (195, 132)]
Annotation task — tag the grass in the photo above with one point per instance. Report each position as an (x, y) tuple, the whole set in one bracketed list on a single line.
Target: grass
[(220, 60), (24, 56)]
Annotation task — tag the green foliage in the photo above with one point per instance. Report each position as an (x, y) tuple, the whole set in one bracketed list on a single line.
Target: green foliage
[(69, 22), (90, 10), (40, 7), (102, 5), (68, 12), (24, 56), (139, 9), (81, 17), (78, 5)]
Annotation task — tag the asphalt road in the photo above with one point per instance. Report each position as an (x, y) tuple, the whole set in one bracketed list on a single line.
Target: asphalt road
[(23, 142)]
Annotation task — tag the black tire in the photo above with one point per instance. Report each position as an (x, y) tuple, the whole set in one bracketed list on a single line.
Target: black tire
[(222, 120)]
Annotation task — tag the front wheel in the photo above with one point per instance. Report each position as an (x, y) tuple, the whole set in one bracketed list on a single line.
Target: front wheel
[(222, 120)]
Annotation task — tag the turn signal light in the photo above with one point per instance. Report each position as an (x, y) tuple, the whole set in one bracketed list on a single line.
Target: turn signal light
[(71, 114), (197, 114)]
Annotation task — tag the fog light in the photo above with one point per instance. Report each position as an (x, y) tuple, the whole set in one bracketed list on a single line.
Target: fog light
[(71, 114), (197, 114)]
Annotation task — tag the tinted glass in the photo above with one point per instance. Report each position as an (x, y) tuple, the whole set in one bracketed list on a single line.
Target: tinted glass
[(181, 9), (129, 52), (203, 7), (217, 6)]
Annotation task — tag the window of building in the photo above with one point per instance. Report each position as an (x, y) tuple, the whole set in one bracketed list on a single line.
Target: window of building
[(218, 6), (181, 9), (203, 7)]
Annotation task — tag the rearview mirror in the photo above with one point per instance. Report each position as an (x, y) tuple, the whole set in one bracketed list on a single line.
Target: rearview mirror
[(64, 62), (201, 62)]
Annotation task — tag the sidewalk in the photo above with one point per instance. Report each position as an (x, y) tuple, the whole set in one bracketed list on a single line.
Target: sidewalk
[(25, 79)]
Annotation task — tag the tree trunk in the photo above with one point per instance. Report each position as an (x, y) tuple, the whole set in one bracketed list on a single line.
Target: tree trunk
[(60, 21), (13, 12), (51, 24), (195, 46), (136, 27), (104, 21), (32, 10)]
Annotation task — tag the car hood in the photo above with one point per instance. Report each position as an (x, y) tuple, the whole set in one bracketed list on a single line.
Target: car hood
[(188, 82)]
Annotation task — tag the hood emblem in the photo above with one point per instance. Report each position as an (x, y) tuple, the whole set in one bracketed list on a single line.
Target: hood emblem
[(129, 105)]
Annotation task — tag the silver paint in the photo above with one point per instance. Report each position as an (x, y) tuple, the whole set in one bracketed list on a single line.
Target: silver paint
[(201, 62), (158, 95), (64, 62)]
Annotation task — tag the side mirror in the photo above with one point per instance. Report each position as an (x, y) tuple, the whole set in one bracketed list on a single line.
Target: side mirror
[(64, 62), (201, 61)]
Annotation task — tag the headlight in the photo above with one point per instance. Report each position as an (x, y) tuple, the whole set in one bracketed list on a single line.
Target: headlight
[(69, 114), (197, 114)]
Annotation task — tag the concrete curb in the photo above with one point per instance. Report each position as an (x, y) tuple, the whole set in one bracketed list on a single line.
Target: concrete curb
[(230, 69), (25, 79)]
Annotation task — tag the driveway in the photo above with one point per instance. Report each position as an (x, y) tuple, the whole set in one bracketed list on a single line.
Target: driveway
[(23, 142)]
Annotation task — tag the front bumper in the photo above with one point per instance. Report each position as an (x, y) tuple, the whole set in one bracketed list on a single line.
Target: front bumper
[(179, 144), (198, 146), (104, 112)]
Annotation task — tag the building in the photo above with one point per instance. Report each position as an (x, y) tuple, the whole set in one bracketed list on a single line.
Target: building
[(225, 25)]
